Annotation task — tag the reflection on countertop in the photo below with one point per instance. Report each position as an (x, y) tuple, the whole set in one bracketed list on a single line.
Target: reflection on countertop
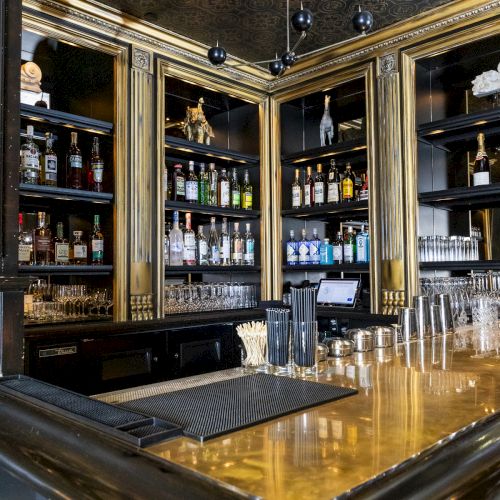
[(410, 397)]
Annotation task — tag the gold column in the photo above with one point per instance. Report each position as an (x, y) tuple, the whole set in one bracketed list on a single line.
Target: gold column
[(391, 192), (142, 180)]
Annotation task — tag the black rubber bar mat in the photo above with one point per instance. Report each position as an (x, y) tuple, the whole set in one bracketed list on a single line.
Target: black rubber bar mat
[(211, 410)]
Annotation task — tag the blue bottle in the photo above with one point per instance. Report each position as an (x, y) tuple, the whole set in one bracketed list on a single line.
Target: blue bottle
[(314, 248), (304, 255), (292, 250), (326, 253), (363, 246)]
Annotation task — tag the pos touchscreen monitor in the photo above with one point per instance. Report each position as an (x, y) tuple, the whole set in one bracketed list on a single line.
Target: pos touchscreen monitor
[(338, 292)]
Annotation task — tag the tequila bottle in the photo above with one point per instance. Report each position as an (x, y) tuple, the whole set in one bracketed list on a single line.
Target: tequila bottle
[(249, 247), (49, 162), (189, 243), (201, 248), (236, 246), (30, 159)]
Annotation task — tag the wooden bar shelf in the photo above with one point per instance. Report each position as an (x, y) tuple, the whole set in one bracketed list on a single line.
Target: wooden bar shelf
[(466, 198)]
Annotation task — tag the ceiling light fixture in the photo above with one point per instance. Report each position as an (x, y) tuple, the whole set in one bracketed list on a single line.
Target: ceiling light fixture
[(302, 22)]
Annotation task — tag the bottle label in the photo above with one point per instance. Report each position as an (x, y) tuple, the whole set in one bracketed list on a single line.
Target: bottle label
[(319, 192), (165, 180), (215, 257), (97, 247), (30, 161), (202, 252), (349, 252), (191, 190), (347, 189), (247, 200), (226, 248), (362, 249), (307, 196), (24, 253), (291, 254), (97, 170), (333, 192), (224, 193), (42, 244), (236, 202), (323, 254), (237, 250), (480, 178), (180, 186), (50, 164), (337, 253), (296, 197), (75, 161), (61, 252), (80, 251), (363, 195), (249, 255), (303, 253), (314, 256)]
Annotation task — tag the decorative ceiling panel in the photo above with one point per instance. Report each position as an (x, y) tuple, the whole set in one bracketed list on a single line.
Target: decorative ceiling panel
[(255, 29)]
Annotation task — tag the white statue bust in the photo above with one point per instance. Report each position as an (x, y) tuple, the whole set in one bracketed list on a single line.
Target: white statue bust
[(487, 83)]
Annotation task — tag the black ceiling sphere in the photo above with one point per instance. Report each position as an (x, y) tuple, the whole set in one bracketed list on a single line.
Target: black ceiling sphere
[(362, 21), (289, 59), (302, 20), (276, 67), (216, 55)]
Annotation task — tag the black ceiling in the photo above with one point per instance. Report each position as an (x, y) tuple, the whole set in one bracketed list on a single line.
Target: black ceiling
[(255, 29)]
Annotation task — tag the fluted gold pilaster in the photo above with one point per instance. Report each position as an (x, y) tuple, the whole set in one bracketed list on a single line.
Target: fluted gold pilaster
[(141, 171)]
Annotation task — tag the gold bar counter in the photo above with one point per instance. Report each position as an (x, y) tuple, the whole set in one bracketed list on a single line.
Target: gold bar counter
[(411, 397)]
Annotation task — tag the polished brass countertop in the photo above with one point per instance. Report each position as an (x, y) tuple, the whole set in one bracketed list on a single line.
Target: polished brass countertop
[(410, 397)]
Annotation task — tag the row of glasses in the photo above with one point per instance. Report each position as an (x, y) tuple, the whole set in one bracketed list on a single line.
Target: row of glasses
[(437, 248), (196, 297)]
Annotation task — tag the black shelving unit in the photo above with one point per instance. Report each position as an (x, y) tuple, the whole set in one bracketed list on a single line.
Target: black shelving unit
[(64, 194), (338, 268), (71, 270), (208, 210), (480, 265), (340, 210), (177, 270), (465, 198)]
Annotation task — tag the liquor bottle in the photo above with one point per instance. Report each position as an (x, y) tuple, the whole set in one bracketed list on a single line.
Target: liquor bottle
[(309, 189), (30, 159), (213, 244), (176, 242), (79, 249), (297, 190), (189, 243), (326, 252), (363, 194), (349, 246), (212, 185), (304, 248), (178, 184), (203, 186), (97, 243), (333, 184), (96, 167), (49, 162), (166, 183), (319, 186), (235, 190), (25, 242), (481, 173), (201, 248), (246, 192), (348, 184), (61, 246), (43, 251), (191, 185), (74, 164), (314, 247), (223, 190), (225, 245), (362, 246), (292, 250), (166, 245), (236, 246), (338, 249), (249, 247)]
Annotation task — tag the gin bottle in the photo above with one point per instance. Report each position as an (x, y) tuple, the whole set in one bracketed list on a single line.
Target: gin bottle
[(292, 250), (314, 248), (362, 246), (249, 247), (349, 246), (338, 249), (304, 255)]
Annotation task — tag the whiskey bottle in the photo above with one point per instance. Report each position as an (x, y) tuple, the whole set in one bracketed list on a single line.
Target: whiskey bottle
[(348, 184), (74, 164), (176, 243), (249, 247), (30, 159), (212, 185), (189, 243), (61, 246), (236, 246), (319, 186), (97, 242), (225, 245), (338, 249), (333, 184), (246, 192), (179, 183), (481, 173), (191, 185), (223, 190), (235, 190), (349, 246), (43, 251), (309, 189), (203, 186), (201, 248), (213, 245), (49, 162), (96, 167), (25, 241), (79, 247), (296, 190)]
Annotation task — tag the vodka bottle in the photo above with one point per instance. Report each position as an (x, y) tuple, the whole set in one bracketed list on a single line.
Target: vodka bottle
[(176, 243), (225, 245), (292, 250), (201, 248), (189, 243), (191, 185), (213, 245), (249, 247), (236, 246)]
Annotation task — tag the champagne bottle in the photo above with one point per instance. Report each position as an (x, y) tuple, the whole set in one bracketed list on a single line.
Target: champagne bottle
[(481, 174)]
